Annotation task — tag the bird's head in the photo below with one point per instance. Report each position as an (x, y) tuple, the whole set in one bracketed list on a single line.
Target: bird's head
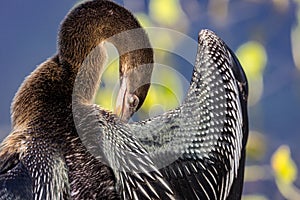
[(135, 78)]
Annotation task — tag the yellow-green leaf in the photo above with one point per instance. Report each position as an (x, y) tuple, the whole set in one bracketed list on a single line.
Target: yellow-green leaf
[(253, 58), (165, 12), (256, 145), (165, 92), (254, 197), (283, 166)]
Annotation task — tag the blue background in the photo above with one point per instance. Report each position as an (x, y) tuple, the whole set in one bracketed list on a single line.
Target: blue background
[(28, 36)]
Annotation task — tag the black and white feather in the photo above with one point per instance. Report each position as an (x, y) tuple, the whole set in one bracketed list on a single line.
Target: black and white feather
[(199, 147), (37, 172), (196, 151)]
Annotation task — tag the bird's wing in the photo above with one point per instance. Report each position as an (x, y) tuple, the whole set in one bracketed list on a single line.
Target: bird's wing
[(16, 184), (31, 168), (199, 147), (15, 181), (112, 142)]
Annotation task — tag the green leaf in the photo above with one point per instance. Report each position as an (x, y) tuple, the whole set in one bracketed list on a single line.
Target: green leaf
[(256, 146), (166, 12), (284, 167), (254, 197), (165, 93), (253, 58)]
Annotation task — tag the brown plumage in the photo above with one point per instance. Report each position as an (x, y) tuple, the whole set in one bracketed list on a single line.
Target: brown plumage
[(62, 146), (44, 143)]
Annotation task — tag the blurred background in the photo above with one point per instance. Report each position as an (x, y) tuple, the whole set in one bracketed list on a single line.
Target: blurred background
[(265, 34)]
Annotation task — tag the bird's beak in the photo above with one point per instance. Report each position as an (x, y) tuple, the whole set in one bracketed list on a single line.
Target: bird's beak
[(127, 101)]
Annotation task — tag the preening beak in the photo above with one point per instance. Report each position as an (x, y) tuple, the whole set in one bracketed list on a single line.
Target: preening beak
[(134, 85), (127, 101)]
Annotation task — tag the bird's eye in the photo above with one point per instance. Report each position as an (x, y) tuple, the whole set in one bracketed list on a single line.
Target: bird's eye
[(133, 100)]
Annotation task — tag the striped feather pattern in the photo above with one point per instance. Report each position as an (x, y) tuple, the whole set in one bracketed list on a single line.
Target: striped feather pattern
[(198, 146)]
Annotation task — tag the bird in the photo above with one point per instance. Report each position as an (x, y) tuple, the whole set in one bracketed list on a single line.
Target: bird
[(44, 157), (62, 146), (198, 148)]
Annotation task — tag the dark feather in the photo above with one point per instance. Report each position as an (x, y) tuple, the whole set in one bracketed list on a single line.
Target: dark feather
[(199, 147)]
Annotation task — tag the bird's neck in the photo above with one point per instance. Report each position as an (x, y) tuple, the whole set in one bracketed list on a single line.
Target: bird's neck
[(43, 96), (89, 24), (74, 74), (81, 38)]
